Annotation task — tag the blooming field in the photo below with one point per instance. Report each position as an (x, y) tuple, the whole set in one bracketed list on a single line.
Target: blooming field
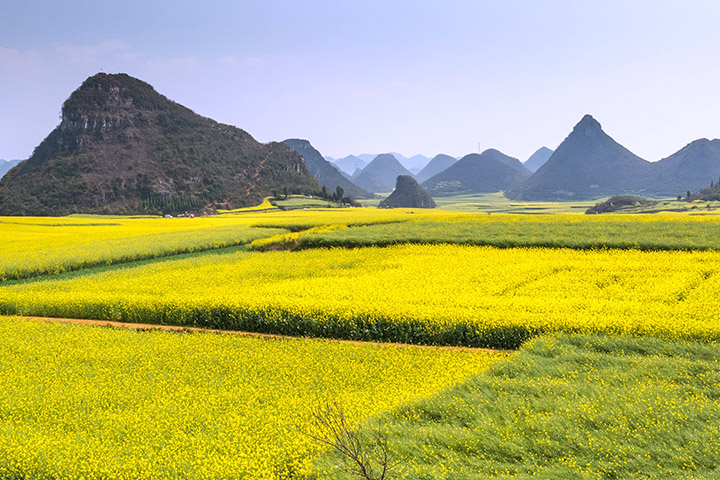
[(442, 294), (99, 403), (31, 246), (649, 232)]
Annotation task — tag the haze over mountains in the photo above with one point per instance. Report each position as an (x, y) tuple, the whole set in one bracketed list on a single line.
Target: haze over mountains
[(352, 163), (349, 164), (380, 175), (6, 165), (538, 159)]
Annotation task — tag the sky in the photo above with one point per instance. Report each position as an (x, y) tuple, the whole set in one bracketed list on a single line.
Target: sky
[(367, 76)]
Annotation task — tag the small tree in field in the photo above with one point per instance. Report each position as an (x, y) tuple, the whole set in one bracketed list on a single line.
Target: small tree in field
[(366, 456)]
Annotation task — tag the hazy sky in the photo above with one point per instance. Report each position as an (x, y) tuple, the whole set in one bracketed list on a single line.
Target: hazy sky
[(375, 76)]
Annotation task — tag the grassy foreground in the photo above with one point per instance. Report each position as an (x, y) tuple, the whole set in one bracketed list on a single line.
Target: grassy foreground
[(569, 407)]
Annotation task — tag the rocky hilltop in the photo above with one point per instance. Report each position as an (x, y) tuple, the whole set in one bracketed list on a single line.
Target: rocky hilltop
[(407, 194), (123, 148)]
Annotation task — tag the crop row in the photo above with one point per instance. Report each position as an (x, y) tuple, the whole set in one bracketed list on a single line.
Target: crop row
[(424, 294), (553, 231)]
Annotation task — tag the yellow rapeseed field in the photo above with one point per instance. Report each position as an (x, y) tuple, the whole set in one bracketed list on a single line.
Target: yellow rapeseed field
[(99, 403), (441, 294), (38, 245)]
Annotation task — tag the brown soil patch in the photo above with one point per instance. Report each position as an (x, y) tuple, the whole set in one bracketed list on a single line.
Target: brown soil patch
[(145, 326)]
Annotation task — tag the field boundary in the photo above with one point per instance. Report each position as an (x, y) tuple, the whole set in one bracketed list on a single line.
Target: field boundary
[(181, 329)]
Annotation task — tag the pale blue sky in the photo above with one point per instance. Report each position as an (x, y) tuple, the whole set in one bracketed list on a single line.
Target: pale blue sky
[(375, 76)]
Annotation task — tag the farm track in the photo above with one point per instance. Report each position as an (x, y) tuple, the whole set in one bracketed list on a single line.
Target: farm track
[(174, 328)]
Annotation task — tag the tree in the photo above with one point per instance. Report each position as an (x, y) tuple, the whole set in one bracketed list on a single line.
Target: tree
[(366, 456), (340, 192)]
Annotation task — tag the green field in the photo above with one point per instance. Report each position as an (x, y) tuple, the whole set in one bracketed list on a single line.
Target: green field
[(569, 407)]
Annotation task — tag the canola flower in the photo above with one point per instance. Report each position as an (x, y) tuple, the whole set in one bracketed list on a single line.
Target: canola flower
[(100, 403), (426, 294)]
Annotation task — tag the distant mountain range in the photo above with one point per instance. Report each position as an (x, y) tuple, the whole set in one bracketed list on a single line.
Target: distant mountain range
[(326, 173), (123, 148), (6, 165), (352, 163), (349, 164), (590, 164), (490, 171), (538, 159), (587, 164), (380, 175)]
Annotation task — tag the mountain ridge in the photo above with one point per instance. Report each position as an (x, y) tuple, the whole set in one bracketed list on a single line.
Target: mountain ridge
[(325, 173)]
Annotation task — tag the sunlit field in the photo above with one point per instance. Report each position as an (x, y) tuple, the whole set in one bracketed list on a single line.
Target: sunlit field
[(615, 317), (90, 402), (425, 294)]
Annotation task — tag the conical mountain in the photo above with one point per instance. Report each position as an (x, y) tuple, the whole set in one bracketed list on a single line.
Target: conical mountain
[(326, 174), (439, 163), (407, 194), (587, 164), (379, 175), (490, 171), (538, 159), (349, 164), (692, 168), (121, 147)]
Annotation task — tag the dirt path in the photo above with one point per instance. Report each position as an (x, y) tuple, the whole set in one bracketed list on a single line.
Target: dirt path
[(256, 175), (145, 326)]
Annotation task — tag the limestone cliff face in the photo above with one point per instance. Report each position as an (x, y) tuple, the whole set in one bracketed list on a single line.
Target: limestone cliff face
[(121, 147)]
